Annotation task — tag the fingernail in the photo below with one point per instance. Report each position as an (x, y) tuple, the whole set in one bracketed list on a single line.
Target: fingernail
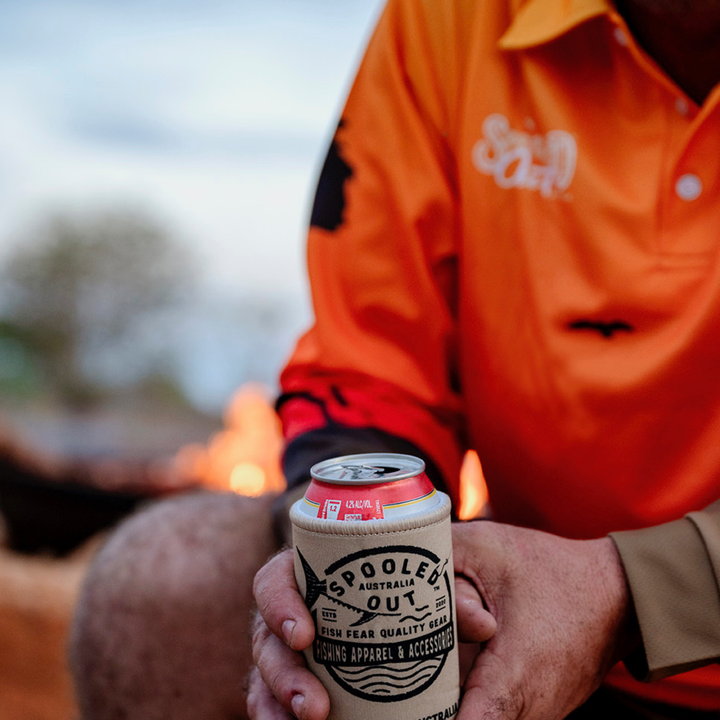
[(287, 630), (297, 704)]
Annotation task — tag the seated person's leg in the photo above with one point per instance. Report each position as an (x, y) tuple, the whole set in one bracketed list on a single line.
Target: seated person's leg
[(162, 625)]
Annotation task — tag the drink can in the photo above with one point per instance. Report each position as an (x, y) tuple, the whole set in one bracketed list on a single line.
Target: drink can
[(369, 487), (373, 560)]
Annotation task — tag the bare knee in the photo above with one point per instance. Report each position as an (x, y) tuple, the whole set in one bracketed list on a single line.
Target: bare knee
[(161, 628)]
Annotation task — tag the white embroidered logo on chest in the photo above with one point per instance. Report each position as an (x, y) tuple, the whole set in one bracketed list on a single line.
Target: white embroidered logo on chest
[(517, 159)]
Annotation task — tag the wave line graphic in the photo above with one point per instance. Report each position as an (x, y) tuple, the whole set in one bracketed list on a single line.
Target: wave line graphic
[(383, 672), (403, 668), (412, 617), (380, 684)]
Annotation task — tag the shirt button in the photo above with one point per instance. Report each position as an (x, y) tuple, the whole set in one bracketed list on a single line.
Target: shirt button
[(682, 106), (621, 36), (688, 187)]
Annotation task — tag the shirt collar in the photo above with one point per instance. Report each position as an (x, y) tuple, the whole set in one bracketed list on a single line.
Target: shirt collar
[(539, 21)]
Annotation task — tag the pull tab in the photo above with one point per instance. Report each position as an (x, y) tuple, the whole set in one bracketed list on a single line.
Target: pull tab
[(364, 472)]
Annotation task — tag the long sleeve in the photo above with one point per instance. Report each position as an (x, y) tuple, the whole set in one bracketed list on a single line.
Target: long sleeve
[(377, 371), (673, 571)]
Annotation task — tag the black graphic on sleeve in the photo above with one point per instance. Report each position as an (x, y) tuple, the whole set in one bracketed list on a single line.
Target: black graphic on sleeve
[(399, 645), (329, 204)]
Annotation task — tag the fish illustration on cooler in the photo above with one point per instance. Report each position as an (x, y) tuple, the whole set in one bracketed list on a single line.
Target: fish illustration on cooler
[(317, 587)]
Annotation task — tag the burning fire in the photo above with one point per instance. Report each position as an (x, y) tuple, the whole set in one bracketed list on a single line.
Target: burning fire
[(245, 456), (473, 489)]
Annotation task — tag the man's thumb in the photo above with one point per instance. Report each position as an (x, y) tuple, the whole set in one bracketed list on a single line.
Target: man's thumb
[(475, 623), (487, 694)]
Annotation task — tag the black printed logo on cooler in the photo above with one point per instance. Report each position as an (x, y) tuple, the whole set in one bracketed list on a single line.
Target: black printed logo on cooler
[(383, 620)]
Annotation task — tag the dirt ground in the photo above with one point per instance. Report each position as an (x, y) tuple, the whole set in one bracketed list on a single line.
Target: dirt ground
[(37, 595)]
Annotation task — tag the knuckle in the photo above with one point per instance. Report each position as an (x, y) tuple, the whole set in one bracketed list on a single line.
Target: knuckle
[(507, 703), (259, 628), (272, 580), (285, 555), (253, 692), (260, 580), (260, 646), (270, 569), (253, 703), (248, 680), (272, 609), (256, 622), (277, 683)]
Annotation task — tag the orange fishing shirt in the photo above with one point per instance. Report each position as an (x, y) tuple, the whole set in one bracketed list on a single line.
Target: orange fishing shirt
[(514, 248)]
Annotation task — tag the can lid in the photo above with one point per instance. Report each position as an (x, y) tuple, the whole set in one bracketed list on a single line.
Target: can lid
[(367, 469)]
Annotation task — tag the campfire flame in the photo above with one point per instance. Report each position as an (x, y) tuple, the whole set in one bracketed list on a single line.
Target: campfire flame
[(473, 489), (245, 456)]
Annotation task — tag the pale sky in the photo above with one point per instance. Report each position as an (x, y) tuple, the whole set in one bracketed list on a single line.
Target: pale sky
[(213, 115)]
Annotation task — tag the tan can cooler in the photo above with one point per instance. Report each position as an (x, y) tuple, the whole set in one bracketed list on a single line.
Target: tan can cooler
[(381, 595)]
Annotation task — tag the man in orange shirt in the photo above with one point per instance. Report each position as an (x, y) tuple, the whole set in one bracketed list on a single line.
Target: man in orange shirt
[(526, 259), (513, 248)]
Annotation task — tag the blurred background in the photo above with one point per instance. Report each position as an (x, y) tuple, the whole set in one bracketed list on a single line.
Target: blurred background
[(157, 164)]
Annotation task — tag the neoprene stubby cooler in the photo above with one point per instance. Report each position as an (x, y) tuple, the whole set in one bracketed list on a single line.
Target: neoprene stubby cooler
[(381, 595)]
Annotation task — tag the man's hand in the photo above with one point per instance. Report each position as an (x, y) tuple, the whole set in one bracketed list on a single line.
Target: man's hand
[(557, 614), (562, 615), (280, 683)]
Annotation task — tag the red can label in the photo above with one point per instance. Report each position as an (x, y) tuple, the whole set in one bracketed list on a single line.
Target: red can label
[(369, 487)]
